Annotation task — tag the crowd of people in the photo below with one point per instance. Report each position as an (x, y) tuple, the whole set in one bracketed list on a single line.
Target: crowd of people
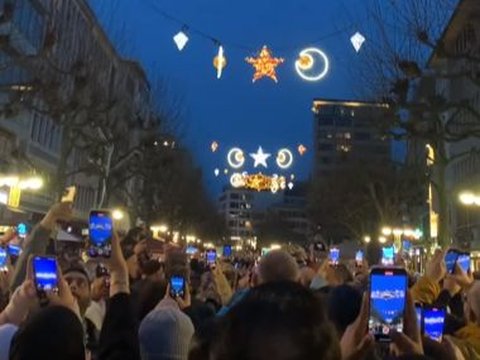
[(283, 305)]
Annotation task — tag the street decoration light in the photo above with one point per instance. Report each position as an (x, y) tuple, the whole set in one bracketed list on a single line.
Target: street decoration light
[(468, 198), (117, 214)]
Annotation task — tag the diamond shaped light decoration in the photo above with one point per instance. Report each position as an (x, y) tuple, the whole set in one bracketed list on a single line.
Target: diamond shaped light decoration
[(181, 39), (357, 41)]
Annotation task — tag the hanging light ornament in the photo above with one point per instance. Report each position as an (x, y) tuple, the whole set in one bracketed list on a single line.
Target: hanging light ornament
[(301, 149), (214, 146), (220, 61), (265, 65), (181, 39), (357, 41)]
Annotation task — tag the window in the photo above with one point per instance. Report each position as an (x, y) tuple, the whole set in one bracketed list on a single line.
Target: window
[(325, 121), (362, 136), (343, 122), (325, 147)]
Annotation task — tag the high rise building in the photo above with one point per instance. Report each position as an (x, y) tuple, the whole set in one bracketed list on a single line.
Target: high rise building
[(235, 206), (345, 131)]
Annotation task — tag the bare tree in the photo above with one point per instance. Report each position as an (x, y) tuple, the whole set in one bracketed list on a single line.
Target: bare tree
[(359, 198), (407, 64)]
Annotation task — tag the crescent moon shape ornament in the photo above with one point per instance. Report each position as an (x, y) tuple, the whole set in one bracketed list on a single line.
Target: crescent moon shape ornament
[(306, 62), (237, 180), (236, 158), (284, 159)]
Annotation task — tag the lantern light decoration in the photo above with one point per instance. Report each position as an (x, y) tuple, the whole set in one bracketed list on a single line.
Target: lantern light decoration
[(301, 149), (265, 65), (357, 41), (258, 182), (220, 61), (214, 146), (181, 40)]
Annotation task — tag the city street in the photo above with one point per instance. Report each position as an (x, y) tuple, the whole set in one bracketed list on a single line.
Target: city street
[(200, 179)]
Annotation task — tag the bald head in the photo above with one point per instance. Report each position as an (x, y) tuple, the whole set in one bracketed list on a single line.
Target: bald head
[(473, 301), (278, 265)]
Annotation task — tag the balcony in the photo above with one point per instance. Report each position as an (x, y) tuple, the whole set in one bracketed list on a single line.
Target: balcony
[(22, 26)]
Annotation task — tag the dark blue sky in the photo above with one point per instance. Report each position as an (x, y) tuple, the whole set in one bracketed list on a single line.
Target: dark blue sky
[(232, 110)]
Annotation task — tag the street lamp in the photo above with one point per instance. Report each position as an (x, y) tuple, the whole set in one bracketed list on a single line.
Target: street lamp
[(117, 214), (387, 231), (367, 239), (468, 198), (382, 239)]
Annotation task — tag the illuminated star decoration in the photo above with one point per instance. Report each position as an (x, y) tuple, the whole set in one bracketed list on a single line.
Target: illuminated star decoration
[(220, 61), (265, 65), (260, 158), (357, 41)]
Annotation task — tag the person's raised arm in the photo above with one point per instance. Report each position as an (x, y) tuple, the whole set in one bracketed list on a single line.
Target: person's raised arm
[(37, 241), (119, 336)]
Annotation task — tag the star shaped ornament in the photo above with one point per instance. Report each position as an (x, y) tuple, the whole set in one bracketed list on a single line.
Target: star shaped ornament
[(260, 158), (265, 65)]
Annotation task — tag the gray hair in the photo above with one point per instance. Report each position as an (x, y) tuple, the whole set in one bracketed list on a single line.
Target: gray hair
[(278, 265)]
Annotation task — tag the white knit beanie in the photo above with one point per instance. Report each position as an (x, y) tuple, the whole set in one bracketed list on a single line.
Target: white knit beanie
[(165, 333)]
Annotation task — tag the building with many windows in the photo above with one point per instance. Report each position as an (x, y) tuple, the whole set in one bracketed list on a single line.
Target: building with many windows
[(461, 40), (32, 139), (236, 207), (344, 131)]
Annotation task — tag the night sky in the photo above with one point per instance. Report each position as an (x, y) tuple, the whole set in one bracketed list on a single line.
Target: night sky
[(233, 111)]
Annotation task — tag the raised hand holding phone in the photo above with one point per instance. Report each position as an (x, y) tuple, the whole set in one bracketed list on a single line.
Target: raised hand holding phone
[(388, 289), (100, 233), (410, 341)]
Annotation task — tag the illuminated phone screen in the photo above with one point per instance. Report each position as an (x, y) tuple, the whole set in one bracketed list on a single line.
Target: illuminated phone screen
[(388, 289)]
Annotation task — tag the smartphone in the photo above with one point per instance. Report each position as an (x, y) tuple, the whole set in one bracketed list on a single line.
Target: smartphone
[(434, 322), (450, 260), (100, 234), (463, 261), (419, 313), (359, 258), (211, 256), (406, 246), (334, 256), (22, 230), (69, 194), (3, 259), (177, 286), (388, 290), (45, 274), (227, 250), (388, 255), (265, 251), (191, 250), (14, 250)]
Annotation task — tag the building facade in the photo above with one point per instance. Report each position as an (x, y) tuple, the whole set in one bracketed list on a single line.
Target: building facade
[(461, 38), (65, 41), (236, 208), (344, 131)]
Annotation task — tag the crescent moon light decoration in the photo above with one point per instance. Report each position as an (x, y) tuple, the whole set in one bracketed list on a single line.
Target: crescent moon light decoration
[(284, 159), (306, 62), (236, 158)]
